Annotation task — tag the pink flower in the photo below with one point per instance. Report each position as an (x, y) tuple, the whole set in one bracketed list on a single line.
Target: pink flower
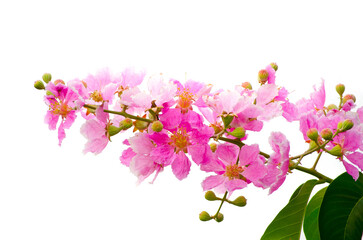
[(96, 131), (271, 74), (101, 87), (318, 96), (61, 105), (278, 163), (230, 174)]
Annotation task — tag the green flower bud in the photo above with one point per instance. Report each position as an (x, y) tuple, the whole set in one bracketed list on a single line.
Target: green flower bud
[(274, 66), (219, 217), (48, 93), (345, 125), (39, 85), (241, 201), (141, 125), (47, 77), (336, 151), (326, 133), (262, 76), (113, 130), (210, 196), (349, 97), (247, 85), (213, 146), (313, 134), (204, 216), (340, 88), (332, 106), (157, 126), (125, 124), (238, 132)]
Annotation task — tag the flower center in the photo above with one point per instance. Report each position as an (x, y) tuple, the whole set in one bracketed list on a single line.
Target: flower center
[(180, 140), (60, 108), (96, 96), (233, 171), (185, 101)]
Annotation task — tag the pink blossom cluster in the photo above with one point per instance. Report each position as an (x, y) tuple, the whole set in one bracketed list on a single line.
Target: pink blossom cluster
[(179, 124)]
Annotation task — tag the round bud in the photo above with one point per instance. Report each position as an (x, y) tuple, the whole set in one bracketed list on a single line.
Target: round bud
[(47, 77), (204, 216), (336, 151), (157, 126), (349, 97), (219, 217), (313, 134), (340, 88), (332, 106), (210, 196), (39, 85), (241, 201), (326, 133), (213, 146), (262, 76), (125, 124), (247, 85), (238, 132), (59, 81), (141, 125), (274, 66)]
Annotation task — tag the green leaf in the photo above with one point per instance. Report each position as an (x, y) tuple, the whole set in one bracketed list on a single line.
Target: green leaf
[(341, 211), (296, 192), (287, 223), (311, 223)]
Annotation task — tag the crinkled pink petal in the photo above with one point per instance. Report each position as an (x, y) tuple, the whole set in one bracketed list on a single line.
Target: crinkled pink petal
[(96, 145), (163, 154), (69, 120), (349, 105), (92, 129), (270, 111), (356, 158), (61, 133), (255, 171), (212, 182), (266, 93), (51, 119), (171, 119), (142, 165), (277, 184), (318, 96), (351, 170), (213, 165), (181, 166), (228, 153), (193, 119), (127, 156), (109, 92), (248, 154), (101, 115), (132, 77), (235, 184), (352, 140), (290, 111), (141, 143)]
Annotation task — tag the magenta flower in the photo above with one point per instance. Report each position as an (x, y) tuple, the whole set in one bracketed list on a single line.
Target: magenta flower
[(61, 105)]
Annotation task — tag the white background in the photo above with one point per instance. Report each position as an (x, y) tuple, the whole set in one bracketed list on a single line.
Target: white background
[(48, 192)]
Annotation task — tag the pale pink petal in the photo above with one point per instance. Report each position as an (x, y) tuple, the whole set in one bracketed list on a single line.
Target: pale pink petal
[(52, 120), (271, 74), (212, 182), (69, 120), (93, 129), (235, 184), (141, 143), (171, 119), (290, 111), (255, 171), (360, 114), (266, 93), (96, 145), (181, 166), (318, 96), (127, 156), (61, 133)]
